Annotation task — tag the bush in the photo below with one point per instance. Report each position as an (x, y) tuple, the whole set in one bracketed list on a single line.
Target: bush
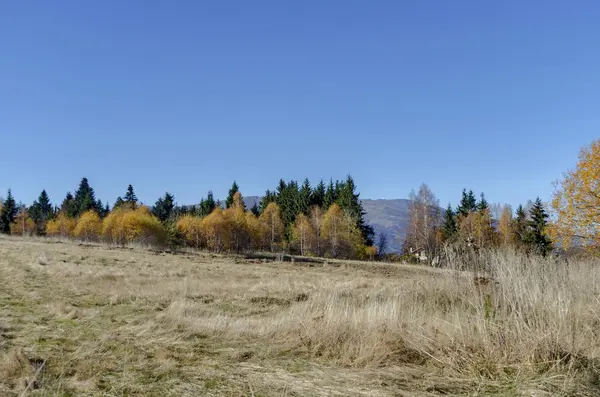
[(89, 226), (125, 225)]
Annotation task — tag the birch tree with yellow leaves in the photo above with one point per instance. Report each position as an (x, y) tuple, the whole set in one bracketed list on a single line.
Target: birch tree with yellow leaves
[(271, 218), (303, 235), (236, 226), (505, 226), (576, 202), (340, 234)]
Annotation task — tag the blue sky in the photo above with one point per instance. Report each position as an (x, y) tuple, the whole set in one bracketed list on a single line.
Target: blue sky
[(187, 96)]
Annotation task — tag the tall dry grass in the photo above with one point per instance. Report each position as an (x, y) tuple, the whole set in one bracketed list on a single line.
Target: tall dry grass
[(206, 322), (535, 317)]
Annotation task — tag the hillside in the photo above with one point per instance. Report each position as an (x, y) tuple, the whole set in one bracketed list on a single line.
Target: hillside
[(389, 217)]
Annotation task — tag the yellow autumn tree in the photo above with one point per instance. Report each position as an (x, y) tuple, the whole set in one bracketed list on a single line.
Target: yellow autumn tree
[(476, 228), (256, 232), (271, 219), (371, 252), (62, 226), (485, 234), (125, 225), (191, 229), (213, 228), (89, 226), (22, 224), (303, 235), (340, 234), (236, 227), (316, 219), (576, 202), (505, 226)]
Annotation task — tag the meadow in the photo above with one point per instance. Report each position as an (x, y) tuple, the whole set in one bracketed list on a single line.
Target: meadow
[(91, 320)]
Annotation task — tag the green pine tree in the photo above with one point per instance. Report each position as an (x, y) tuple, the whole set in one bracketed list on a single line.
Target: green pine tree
[(163, 208), (348, 200), (268, 198), (130, 198), (255, 210), (207, 205), (304, 197), (234, 189), (7, 213), (449, 228), (85, 198), (468, 203), (520, 225), (483, 204), (317, 196), (101, 209), (69, 206), (119, 202), (288, 199), (330, 196), (537, 238), (41, 212)]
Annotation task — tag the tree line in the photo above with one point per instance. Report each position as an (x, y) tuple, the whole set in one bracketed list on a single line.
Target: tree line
[(324, 220), (569, 223), (471, 225)]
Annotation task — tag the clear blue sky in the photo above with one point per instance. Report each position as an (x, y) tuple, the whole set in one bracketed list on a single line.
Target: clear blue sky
[(187, 96)]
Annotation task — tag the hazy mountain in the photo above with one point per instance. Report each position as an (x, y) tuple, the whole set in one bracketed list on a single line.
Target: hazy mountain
[(251, 200), (389, 217)]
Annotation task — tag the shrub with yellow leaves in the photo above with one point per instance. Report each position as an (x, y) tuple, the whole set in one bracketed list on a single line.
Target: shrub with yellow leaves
[(89, 226), (191, 229), (125, 225), (61, 226)]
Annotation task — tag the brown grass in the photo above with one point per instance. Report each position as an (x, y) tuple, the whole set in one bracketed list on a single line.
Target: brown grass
[(132, 322)]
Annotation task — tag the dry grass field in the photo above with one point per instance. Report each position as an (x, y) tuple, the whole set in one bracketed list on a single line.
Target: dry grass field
[(84, 320)]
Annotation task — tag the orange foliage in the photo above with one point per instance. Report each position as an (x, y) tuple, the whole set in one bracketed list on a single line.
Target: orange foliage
[(576, 202), (371, 252)]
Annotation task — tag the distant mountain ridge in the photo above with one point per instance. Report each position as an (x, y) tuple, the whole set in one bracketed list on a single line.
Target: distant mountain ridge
[(389, 217)]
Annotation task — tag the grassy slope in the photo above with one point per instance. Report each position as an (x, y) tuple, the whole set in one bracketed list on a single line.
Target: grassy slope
[(86, 320)]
